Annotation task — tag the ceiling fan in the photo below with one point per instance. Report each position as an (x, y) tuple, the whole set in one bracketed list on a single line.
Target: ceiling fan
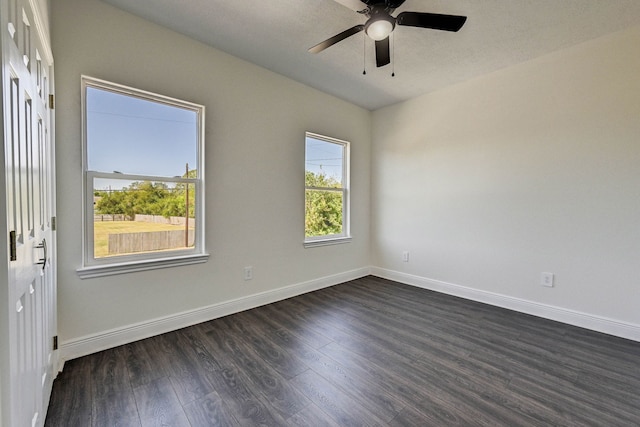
[(380, 24)]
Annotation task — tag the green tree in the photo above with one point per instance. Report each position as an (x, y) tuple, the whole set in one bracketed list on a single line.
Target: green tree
[(112, 203), (148, 198), (323, 208)]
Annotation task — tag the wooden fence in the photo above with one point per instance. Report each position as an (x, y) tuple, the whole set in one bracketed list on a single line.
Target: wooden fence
[(126, 243), (114, 217)]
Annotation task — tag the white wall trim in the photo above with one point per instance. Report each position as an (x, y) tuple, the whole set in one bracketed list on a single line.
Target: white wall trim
[(83, 346), (589, 321)]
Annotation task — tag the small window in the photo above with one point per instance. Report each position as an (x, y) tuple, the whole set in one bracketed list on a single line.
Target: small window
[(326, 182), (144, 180)]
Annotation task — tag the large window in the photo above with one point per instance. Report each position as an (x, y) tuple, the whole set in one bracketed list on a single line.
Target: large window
[(326, 190), (143, 178)]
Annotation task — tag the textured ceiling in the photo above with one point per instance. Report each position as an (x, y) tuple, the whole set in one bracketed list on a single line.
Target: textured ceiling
[(276, 34)]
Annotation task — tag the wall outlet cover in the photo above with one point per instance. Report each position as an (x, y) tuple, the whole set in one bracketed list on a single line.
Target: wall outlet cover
[(547, 279), (248, 273)]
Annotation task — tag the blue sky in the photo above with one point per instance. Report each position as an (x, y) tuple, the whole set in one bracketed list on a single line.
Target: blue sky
[(324, 157), (137, 136)]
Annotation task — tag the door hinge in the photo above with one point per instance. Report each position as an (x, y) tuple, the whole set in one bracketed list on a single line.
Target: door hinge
[(53, 223), (55, 342), (52, 101), (13, 256)]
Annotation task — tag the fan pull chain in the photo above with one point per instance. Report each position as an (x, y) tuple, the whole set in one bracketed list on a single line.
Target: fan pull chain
[(393, 55), (364, 54)]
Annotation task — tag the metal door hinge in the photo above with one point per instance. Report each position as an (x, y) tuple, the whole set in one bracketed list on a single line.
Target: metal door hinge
[(55, 342), (13, 256), (52, 101), (53, 223)]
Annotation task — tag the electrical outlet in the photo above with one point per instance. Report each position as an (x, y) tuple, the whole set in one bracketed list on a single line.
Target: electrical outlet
[(405, 256), (547, 279), (248, 273)]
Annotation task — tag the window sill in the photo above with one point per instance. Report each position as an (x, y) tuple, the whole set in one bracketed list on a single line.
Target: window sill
[(130, 267), (327, 242)]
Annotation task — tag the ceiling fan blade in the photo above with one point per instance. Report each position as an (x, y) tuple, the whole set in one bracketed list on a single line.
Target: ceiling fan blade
[(382, 52), (355, 5), (335, 39), (431, 20)]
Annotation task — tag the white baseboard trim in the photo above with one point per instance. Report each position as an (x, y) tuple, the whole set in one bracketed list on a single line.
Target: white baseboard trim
[(89, 344), (571, 317)]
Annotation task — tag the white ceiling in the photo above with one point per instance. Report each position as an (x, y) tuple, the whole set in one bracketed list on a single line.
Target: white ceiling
[(276, 34)]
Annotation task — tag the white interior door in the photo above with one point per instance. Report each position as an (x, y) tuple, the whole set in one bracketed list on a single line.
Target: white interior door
[(28, 151)]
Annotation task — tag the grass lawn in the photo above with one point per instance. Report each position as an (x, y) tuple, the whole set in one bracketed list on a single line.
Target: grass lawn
[(102, 229)]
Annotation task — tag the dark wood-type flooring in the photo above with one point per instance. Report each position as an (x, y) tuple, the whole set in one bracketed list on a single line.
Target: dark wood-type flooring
[(367, 352)]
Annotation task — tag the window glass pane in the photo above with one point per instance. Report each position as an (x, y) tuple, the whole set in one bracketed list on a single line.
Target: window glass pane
[(138, 136), (323, 212), (131, 217), (323, 163)]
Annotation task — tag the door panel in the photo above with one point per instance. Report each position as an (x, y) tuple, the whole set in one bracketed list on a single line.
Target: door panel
[(28, 168)]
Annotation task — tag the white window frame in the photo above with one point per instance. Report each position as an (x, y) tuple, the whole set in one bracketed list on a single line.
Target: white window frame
[(105, 266), (345, 236)]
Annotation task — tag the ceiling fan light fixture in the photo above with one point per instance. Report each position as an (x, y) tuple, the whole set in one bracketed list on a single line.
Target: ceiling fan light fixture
[(379, 27)]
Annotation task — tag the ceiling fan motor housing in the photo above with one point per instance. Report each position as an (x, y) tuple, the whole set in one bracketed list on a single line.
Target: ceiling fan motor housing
[(380, 23)]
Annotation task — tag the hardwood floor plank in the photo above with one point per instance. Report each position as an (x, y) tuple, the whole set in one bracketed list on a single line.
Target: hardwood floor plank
[(497, 410), (297, 318), (210, 411), (200, 353), (293, 330), (182, 362), (280, 335), (158, 404), (190, 387), (585, 355), (489, 395), (109, 374), (273, 387), (71, 404), (115, 410), (380, 399), (286, 364), (374, 398), (405, 299), (143, 362), (246, 407), (334, 402), (595, 382), (573, 411), (412, 317), (415, 417), (311, 416), (382, 374), (452, 400), (415, 344)]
